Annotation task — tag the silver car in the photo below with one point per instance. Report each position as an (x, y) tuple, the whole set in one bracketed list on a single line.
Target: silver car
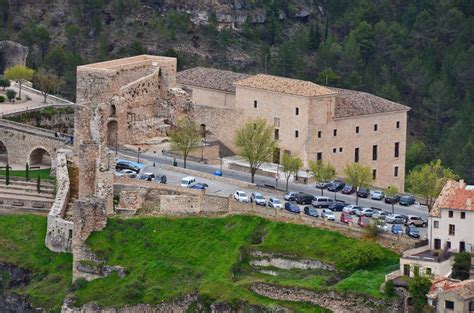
[(328, 214), (395, 219), (380, 215), (258, 198), (275, 203)]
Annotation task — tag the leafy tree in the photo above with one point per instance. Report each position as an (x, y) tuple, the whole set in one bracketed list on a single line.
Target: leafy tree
[(20, 74), (185, 137), (462, 266), (255, 143), (314, 36), (322, 171), (390, 192), (45, 82), (42, 39), (290, 165), (418, 287), (11, 94), (358, 176), (328, 77), (428, 181), (4, 12), (389, 289), (417, 153), (73, 34), (390, 92), (5, 83)]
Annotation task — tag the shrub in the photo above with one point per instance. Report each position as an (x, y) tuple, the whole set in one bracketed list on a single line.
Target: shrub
[(389, 289), (4, 83), (363, 255), (11, 94), (2, 99), (418, 287), (78, 284), (462, 265)]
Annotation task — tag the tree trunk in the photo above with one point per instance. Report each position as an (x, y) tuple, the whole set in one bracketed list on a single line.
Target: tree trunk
[(184, 160), (252, 174), (393, 208), (357, 199), (45, 95), (286, 188)]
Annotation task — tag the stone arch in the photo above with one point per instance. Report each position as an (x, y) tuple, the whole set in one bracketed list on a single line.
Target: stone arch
[(3, 154), (112, 133), (40, 157), (113, 110)]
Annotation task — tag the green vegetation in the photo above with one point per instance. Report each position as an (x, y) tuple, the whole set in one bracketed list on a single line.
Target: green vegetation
[(359, 176), (20, 74), (22, 244), (43, 173), (322, 171), (462, 265), (185, 137), (290, 166), (418, 287)]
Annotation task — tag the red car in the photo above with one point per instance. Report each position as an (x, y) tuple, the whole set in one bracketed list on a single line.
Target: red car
[(346, 218), (363, 221)]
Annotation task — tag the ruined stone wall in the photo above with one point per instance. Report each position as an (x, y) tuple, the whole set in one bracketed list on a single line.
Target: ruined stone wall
[(88, 154)]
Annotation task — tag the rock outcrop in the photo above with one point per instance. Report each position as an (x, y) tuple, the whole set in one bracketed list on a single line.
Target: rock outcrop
[(12, 302), (12, 53)]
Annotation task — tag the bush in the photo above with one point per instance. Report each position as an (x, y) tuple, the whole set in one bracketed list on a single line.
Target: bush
[(389, 289), (2, 99), (11, 94), (4, 83), (462, 265), (418, 287)]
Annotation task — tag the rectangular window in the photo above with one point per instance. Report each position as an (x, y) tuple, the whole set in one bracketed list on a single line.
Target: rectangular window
[(449, 305), (255, 104), (428, 271), (436, 224), (374, 153), (334, 150), (277, 134), (340, 149), (376, 127), (452, 229), (319, 156), (397, 149), (398, 124), (276, 122), (448, 244), (395, 171), (335, 132), (296, 134), (357, 129), (297, 111), (463, 215), (450, 213), (471, 306), (319, 134), (374, 174), (356, 155)]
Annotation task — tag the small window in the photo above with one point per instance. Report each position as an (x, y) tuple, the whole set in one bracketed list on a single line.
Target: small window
[(297, 111), (450, 213), (340, 149), (449, 305), (376, 127), (319, 134), (255, 104), (448, 244), (471, 306), (395, 171), (334, 150), (397, 149), (436, 224), (277, 134), (296, 134), (335, 132), (70, 234), (374, 174), (398, 124), (463, 215), (452, 229), (276, 122), (428, 271), (319, 156), (356, 155), (374, 153), (357, 129)]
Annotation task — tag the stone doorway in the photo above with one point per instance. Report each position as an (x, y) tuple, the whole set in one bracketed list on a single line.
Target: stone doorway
[(40, 157), (112, 134)]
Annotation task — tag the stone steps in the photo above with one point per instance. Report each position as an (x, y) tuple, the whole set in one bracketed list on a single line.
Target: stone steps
[(10, 209), (22, 192), (31, 183), (27, 188)]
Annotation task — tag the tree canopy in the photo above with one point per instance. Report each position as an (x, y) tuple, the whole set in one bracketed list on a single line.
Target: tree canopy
[(185, 137), (322, 171), (20, 74), (290, 166), (358, 176)]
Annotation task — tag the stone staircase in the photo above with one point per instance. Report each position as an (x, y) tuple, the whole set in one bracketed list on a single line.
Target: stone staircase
[(22, 196)]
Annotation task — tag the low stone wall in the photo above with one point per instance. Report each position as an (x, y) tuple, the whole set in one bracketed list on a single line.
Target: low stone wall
[(60, 231)]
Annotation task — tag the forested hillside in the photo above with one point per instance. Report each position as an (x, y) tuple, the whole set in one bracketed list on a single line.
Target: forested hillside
[(419, 53)]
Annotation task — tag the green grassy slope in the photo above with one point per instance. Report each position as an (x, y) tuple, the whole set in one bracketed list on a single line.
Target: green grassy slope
[(43, 174)]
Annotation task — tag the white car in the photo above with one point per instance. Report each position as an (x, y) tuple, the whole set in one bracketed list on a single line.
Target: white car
[(378, 195), (351, 209), (275, 203), (382, 227), (241, 196), (126, 173), (380, 215), (369, 212), (328, 214)]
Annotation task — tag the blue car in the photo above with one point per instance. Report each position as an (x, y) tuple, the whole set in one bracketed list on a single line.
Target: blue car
[(292, 208), (199, 186), (397, 229)]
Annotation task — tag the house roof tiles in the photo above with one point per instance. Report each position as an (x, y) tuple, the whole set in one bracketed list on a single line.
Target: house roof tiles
[(455, 196), (210, 78)]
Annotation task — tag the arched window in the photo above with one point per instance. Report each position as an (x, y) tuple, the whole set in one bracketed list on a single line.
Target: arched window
[(113, 110)]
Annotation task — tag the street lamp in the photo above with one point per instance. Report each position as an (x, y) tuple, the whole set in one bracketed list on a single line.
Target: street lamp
[(138, 154)]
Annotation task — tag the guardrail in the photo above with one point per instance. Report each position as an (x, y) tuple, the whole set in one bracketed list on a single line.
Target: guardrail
[(38, 92), (34, 108)]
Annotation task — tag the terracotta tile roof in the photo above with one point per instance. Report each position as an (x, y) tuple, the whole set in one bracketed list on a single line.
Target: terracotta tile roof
[(284, 85), (465, 289), (209, 78), (354, 103), (440, 285), (455, 196)]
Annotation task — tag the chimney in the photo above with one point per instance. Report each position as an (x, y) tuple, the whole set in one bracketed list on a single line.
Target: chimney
[(468, 202), (462, 184)]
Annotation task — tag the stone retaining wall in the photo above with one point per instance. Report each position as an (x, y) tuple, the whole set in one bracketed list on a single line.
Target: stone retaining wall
[(59, 231)]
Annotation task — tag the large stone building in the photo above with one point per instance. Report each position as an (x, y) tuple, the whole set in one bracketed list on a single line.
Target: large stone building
[(311, 121)]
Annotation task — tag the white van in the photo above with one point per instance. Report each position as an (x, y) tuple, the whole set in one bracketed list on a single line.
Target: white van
[(188, 181)]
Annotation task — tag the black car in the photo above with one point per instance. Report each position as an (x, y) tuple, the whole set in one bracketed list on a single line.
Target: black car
[(363, 192), (336, 185), (124, 165), (407, 200), (303, 198), (146, 176), (348, 189), (392, 199), (161, 179), (337, 206), (412, 231), (310, 211), (292, 208)]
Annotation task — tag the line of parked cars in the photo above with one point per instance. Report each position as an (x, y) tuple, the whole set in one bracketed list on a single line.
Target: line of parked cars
[(125, 168)]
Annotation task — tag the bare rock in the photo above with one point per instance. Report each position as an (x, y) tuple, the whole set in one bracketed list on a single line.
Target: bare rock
[(12, 53)]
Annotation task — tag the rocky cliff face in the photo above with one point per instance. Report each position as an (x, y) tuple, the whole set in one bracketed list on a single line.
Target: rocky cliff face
[(12, 53), (12, 277)]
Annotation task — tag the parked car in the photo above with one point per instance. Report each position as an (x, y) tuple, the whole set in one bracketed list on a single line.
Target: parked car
[(328, 214), (128, 165), (337, 206), (382, 227), (323, 184), (321, 202), (407, 200), (416, 221), (392, 199), (345, 218), (380, 215), (348, 189), (146, 176), (201, 186), (412, 231), (397, 229), (395, 219), (363, 221), (275, 203), (303, 198), (292, 208), (126, 173), (336, 185), (367, 212), (351, 209), (363, 192), (258, 198), (161, 179), (241, 196), (188, 181), (291, 196), (310, 211), (378, 195)]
